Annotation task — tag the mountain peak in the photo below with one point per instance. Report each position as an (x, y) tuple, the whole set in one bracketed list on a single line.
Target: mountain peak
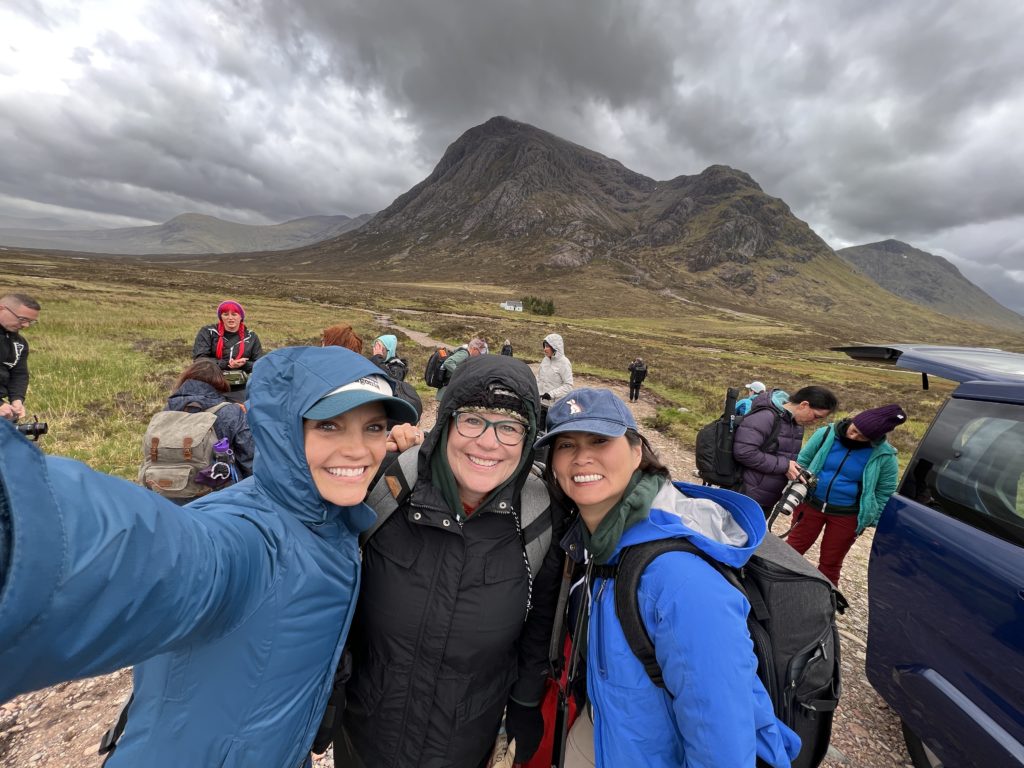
[(928, 280)]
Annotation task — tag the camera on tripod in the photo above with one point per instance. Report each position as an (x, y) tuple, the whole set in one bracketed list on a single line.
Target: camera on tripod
[(33, 429)]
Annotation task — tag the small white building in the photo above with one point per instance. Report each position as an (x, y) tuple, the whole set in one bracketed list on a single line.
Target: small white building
[(512, 306)]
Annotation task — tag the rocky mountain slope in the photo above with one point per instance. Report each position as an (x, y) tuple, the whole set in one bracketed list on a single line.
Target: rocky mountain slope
[(509, 185), (928, 280), (188, 233)]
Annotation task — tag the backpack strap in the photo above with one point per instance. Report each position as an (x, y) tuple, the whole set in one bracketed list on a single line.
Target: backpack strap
[(391, 489), (632, 563), (535, 519), (771, 443), (216, 408)]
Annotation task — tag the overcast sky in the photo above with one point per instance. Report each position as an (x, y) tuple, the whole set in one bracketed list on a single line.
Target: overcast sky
[(871, 120)]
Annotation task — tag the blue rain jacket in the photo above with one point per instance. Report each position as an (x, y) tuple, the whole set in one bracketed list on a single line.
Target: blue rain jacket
[(714, 711), (233, 610)]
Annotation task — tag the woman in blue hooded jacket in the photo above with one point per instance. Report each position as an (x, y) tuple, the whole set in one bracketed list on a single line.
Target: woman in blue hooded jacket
[(234, 610), (713, 711)]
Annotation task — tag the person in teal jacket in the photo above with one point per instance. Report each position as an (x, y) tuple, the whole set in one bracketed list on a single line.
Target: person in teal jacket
[(714, 711), (234, 609), (856, 471)]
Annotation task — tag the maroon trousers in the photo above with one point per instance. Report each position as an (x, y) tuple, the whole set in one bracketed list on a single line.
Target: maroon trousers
[(840, 533)]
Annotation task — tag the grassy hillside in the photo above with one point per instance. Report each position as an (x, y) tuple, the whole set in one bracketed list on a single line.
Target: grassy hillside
[(114, 335)]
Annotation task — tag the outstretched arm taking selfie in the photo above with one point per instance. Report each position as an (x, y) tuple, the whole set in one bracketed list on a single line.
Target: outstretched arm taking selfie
[(100, 573)]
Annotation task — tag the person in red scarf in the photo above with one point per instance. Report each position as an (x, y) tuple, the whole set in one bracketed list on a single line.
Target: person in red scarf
[(229, 343)]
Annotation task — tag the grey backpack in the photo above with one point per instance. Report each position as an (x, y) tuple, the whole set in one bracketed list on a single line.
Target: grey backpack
[(176, 447)]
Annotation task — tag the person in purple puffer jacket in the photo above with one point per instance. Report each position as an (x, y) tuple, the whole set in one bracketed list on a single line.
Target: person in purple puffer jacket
[(769, 438)]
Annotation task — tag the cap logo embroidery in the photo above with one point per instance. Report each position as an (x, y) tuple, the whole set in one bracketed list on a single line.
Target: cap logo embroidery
[(573, 407)]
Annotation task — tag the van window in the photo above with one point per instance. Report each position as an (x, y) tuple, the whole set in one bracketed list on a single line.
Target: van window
[(971, 466)]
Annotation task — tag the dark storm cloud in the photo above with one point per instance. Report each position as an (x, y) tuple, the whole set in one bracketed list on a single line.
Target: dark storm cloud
[(870, 120)]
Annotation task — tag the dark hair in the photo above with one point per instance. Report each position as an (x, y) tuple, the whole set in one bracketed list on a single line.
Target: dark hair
[(204, 370), (650, 464), (23, 300), (819, 398), (341, 335)]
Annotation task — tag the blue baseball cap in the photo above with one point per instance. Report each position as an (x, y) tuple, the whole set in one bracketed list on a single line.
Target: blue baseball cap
[(366, 389), (598, 411)]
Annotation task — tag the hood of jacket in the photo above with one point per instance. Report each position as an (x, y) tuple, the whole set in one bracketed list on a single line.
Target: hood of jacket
[(390, 343), (554, 340), (775, 398), (283, 386), (474, 377), (194, 391), (726, 525)]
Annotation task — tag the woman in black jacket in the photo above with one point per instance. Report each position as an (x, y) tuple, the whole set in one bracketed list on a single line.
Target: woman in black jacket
[(452, 624), (228, 342)]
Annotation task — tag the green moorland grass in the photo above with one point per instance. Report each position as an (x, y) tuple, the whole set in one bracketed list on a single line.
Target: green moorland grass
[(114, 334)]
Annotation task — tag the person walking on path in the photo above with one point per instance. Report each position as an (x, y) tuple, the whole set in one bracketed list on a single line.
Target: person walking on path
[(554, 376), (856, 471), (768, 440), (506, 348), (17, 311), (754, 389), (637, 374)]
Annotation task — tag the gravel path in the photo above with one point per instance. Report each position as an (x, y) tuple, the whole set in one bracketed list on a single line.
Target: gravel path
[(60, 727)]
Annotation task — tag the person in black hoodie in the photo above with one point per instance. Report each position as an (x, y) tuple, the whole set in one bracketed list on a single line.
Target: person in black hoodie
[(451, 627), (17, 311)]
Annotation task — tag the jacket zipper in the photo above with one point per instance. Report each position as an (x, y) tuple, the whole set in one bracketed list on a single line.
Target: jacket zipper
[(602, 665)]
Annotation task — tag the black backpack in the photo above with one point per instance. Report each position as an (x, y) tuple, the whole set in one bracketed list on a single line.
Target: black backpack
[(396, 368), (434, 374), (791, 621), (713, 451)]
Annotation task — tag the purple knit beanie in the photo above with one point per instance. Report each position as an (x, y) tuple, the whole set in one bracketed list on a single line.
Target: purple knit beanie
[(876, 423)]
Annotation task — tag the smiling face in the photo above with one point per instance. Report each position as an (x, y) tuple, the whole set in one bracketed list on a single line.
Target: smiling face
[(231, 320), (593, 471), (481, 464), (343, 453)]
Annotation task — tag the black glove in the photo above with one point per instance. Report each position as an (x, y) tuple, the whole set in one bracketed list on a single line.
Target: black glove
[(524, 725), (545, 396)]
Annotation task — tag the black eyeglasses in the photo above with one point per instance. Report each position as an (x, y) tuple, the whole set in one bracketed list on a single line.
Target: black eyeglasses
[(22, 320), (474, 425)]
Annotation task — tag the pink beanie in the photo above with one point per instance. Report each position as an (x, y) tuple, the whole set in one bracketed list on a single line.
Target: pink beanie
[(232, 305)]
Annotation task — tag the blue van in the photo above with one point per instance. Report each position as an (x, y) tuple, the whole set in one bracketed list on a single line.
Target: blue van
[(946, 573)]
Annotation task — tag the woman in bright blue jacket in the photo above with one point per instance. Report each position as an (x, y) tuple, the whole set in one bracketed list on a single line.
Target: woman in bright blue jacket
[(713, 711), (234, 610)]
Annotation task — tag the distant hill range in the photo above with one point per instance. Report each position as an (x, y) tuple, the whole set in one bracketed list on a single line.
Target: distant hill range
[(928, 280), (186, 234)]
